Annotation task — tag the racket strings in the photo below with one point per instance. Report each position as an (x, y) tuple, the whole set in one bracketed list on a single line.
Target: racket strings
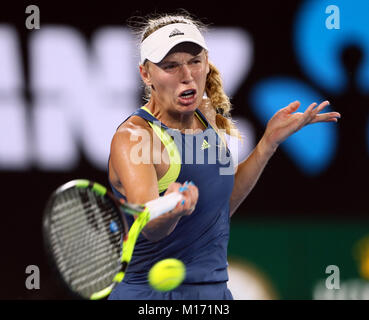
[(66, 210), (81, 258), (72, 227), (79, 240), (87, 250)]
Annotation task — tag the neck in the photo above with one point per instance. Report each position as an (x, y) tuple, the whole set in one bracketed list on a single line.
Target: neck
[(173, 119)]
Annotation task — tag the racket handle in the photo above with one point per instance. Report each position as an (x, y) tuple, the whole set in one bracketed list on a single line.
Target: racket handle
[(163, 204)]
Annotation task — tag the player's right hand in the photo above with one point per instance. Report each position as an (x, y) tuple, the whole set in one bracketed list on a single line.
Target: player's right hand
[(190, 196)]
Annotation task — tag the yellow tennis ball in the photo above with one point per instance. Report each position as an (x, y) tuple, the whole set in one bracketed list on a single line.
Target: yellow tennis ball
[(167, 274)]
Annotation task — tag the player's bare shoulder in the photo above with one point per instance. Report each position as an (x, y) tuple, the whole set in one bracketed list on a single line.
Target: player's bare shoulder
[(133, 125), (130, 132)]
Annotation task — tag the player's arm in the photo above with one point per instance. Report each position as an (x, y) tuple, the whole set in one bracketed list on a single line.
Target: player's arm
[(283, 124), (131, 160), (248, 173)]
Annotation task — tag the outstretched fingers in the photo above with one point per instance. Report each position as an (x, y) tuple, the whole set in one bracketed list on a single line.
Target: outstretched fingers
[(292, 107), (322, 106), (308, 115), (311, 113), (326, 117)]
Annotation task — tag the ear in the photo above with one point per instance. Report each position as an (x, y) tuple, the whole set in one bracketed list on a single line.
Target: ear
[(145, 75)]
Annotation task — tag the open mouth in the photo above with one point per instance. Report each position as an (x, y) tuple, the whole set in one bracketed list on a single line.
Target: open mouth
[(188, 94)]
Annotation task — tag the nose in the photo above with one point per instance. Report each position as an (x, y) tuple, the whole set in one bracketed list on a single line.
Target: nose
[(186, 73)]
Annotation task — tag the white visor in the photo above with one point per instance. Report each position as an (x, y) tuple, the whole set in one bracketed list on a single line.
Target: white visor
[(156, 46)]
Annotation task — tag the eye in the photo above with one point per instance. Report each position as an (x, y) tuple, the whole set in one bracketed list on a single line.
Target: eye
[(169, 66), (196, 61)]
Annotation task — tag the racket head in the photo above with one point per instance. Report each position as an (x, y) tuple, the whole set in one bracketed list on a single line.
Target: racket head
[(83, 229)]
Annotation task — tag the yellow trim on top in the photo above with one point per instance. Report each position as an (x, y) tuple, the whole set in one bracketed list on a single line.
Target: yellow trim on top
[(202, 121), (174, 157)]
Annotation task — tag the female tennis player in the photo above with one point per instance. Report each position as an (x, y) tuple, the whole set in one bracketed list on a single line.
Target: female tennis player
[(186, 112)]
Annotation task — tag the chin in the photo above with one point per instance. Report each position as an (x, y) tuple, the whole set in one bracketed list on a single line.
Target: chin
[(189, 108)]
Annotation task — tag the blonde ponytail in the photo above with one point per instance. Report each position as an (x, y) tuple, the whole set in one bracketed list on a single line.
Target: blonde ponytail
[(220, 102)]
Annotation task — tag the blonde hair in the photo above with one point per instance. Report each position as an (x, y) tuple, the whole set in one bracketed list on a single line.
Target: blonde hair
[(214, 86), (220, 102)]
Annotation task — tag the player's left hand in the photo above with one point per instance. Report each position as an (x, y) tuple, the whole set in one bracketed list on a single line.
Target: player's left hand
[(287, 121)]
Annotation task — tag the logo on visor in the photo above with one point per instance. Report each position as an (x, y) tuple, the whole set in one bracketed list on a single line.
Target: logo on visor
[(176, 32)]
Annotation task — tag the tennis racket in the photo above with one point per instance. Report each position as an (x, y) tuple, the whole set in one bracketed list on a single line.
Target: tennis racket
[(86, 235)]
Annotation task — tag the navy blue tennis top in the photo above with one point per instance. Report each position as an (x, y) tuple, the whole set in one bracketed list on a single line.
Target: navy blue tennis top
[(200, 240)]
